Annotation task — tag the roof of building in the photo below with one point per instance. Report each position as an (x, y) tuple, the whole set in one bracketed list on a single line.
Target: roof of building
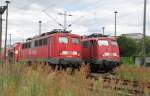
[(133, 34)]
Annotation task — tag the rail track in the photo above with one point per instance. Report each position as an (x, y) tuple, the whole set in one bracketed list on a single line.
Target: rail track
[(122, 86)]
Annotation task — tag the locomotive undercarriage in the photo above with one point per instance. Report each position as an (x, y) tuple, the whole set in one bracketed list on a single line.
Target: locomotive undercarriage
[(74, 63), (99, 65)]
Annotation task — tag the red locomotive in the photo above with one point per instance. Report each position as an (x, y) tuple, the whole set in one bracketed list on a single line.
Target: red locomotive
[(100, 51), (14, 52), (56, 48)]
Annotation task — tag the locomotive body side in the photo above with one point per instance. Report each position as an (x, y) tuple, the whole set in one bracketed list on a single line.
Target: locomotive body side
[(35, 50)]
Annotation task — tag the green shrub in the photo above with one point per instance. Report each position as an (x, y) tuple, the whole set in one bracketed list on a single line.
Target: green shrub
[(127, 60)]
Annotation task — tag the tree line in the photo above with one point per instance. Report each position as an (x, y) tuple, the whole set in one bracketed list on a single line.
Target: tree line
[(131, 47)]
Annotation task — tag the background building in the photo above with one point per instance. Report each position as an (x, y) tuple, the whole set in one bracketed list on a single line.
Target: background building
[(135, 36)]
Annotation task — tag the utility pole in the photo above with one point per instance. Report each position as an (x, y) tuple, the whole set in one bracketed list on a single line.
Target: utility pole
[(144, 32), (2, 10), (65, 19), (7, 2), (103, 28), (10, 39), (40, 27), (115, 23)]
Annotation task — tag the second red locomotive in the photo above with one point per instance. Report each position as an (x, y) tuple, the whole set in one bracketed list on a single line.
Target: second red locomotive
[(100, 51)]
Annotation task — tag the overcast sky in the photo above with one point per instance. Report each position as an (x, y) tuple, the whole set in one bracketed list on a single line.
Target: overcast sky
[(88, 16)]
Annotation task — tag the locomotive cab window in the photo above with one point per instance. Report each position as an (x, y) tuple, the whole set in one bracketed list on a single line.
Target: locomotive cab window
[(103, 43), (86, 44), (75, 41), (94, 43), (114, 43), (63, 40)]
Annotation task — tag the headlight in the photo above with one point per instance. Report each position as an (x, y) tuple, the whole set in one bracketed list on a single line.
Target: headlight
[(16, 52), (106, 54), (115, 54), (74, 53), (78, 53), (64, 53), (69, 53)]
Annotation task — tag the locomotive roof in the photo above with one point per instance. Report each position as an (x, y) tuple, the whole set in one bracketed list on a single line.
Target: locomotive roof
[(108, 38), (53, 32), (96, 36)]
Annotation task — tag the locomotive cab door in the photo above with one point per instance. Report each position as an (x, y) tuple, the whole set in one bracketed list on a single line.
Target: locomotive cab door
[(93, 52), (10, 56)]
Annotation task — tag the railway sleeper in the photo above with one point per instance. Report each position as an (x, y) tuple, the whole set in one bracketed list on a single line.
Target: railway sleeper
[(125, 90)]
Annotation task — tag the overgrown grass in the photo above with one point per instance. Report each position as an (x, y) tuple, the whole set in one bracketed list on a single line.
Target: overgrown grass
[(134, 73), (22, 80), (131, 71)]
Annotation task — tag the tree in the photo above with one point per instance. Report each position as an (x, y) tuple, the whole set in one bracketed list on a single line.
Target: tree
[(147, 42), (147, 46), (128, 47)]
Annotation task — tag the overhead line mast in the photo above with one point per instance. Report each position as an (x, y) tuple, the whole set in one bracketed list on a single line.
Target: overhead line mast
[(65, 19), (144, 33), (7, 2), (2, 10)]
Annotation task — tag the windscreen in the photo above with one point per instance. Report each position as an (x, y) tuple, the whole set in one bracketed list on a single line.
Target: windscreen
[(63, 40), (103, 43), (114, 43), (75, 41)]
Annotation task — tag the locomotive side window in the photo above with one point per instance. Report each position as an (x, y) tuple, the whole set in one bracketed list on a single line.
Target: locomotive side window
[(86, 44), (40, 42), (51, 40), (23, 46), (103, 43), (36, 43), (45, 41), (32, 44), (114, 43), (63, 40), (26, 45), (75, 41), (29, 45)]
